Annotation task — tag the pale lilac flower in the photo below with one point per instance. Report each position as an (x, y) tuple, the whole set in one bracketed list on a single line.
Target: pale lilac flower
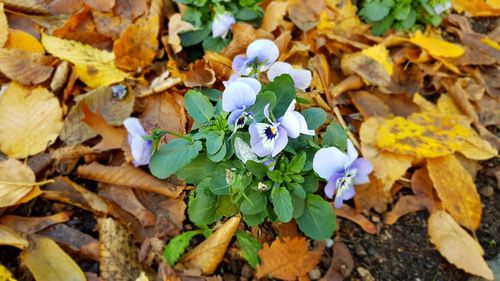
[(140, 147), (341, 171), (442, 7), (271, 139), (239, 95), (260, 55), (301, 77), (222, 24)]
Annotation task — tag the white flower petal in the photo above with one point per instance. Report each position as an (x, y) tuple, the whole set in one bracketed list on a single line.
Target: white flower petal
[(264, 50), (328, 161), (277, 69)]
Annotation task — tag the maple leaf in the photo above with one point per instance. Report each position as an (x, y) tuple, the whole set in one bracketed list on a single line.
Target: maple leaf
[(112, 137), (287, 258)]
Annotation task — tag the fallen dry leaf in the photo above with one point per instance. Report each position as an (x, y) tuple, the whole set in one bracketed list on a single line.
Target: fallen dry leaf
[(457, 246), (31, 225), (137, 46), (4, 27), (456, 189), (373, 65), (422, 187), (28, 6), (477, 8), (341, 265), (23, 133), (436, 47), (243, 35), (199, 74), (371, 195), (127, 200), (94, 67), (19, 39), (10, 237), (128, 176), (165, 111), (25, 67), (207, 255), (273, 15), (176, 26), (100, 5), (351, 214), (305, 13), (16, 180), (112, 138), (47, 262), (81, 243), (405, 205), (287, 258)]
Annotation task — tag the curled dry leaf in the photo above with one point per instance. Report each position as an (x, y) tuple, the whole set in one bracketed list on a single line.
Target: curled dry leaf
[(48, 262), (30, 225), (100, 5), (4, 27), (305, 13), (60, 76), (74, 239), (456, 189), (207, 255), (10, 237), (273, 15), (159, 84), (288, 258), (371, 195), (128, 176), (16, 180), (119, 259), (373, 64), (28, 6), (199, 74), (405, 205), (23, 133), (457, 246), (176, 26), (243, 35), (220, 64), (351, 214), (126, 199), (25, 67), (112, 138), (477, 8), (24, 41), (114, 111), (137, 46), (422, 187), (94, 67), (341, 265)]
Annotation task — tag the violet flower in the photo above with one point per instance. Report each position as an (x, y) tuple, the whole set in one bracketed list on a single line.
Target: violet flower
[(341, 171), (222, 24), (239, 95), (442, 7), (140, 147), (301, 77), (260, 55), (271, 139)]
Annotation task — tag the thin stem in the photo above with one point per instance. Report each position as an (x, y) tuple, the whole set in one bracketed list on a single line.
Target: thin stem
[(177, 135)]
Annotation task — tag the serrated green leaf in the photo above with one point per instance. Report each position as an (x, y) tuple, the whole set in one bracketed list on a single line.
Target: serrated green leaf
[(254, 204), (296, 164), (318, 220), (203, 205), (196, 171), (177, 245), (173, 156), (198, 106), (257, 169), (249, 247)]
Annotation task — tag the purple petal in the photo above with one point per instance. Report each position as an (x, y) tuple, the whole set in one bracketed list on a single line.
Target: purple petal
[(240, 65), (141, 150), (363, 169), (303, 124), (330, 188), (222, 24), (328, 161), (232, 78), (277, 69), (338, 201), (234, 116), (348, 193), (265, 50), (302, 78), (237, 96), (281, 141), (134, 127), (351, 151), (256, 141)]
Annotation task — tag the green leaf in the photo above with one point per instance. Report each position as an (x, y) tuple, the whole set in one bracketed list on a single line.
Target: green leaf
[(257, 169), (410, 20), (225, 207), (246, 14), (276, 176), (257, 109), (381, 27), (212, 94), (177, 245), (298, 205), (297, 189), (215, 44), (173, 156), (249, 247), (218, 183), (196, 171), (315, 117), (282, 203), (335, 136), (284, 89), (192, 15), (253, 220), (376, 10), (192, 38), (254, 204), (202, 205), (296, 164), (198, 106), (401, 12), (310, 184), (219, 155), (215, 139), (318, 219)]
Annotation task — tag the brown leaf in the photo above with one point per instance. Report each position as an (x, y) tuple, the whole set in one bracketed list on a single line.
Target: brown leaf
[(305, 13), (220, 64), (273, 15), (81, 243), (207, 255), (119, 258), (371, 195), (421, 185), (48, 262), (16, 180), (369, 104), (30, 225), (10, 237), (101, 5), (405, 205), (352, 82), (349, 213), (341, 265), (112, 138), (176, 26), (128, 176), (287, 258), (457, 246), (199, 74), (126, 199), (137, 46), (130, 9), (4, 27), (456, 189), (243, 35), (28, 6)]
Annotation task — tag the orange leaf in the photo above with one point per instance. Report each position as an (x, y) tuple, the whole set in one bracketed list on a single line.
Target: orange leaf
[(405, 205), (456, 190), (24, 41), (349, 213), (287, 258), (200, 74), (4, 27), (112, 138), (421, 185), (273, 16), (33, 224), (137, 46)]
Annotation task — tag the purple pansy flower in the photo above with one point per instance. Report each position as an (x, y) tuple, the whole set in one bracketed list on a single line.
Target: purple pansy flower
[(341, 171), (239, 95), (301, 77), (260, 55), (222, 24), (271, 139), (140, 147)]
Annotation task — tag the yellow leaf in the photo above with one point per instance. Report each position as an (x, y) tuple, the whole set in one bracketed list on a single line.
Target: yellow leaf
[(381, 55), (423, 134), (346, 19), (273, 16), (457, 246), (437, 47), (24, 41), (477, 8), (16, 180), (48, 262), (5, 274), (287, 258), (10, 237), (4, 27), (491, 43), (210, 252), (30, 120), (455, 187), (325, 24), (175, 26), (95, 67)]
